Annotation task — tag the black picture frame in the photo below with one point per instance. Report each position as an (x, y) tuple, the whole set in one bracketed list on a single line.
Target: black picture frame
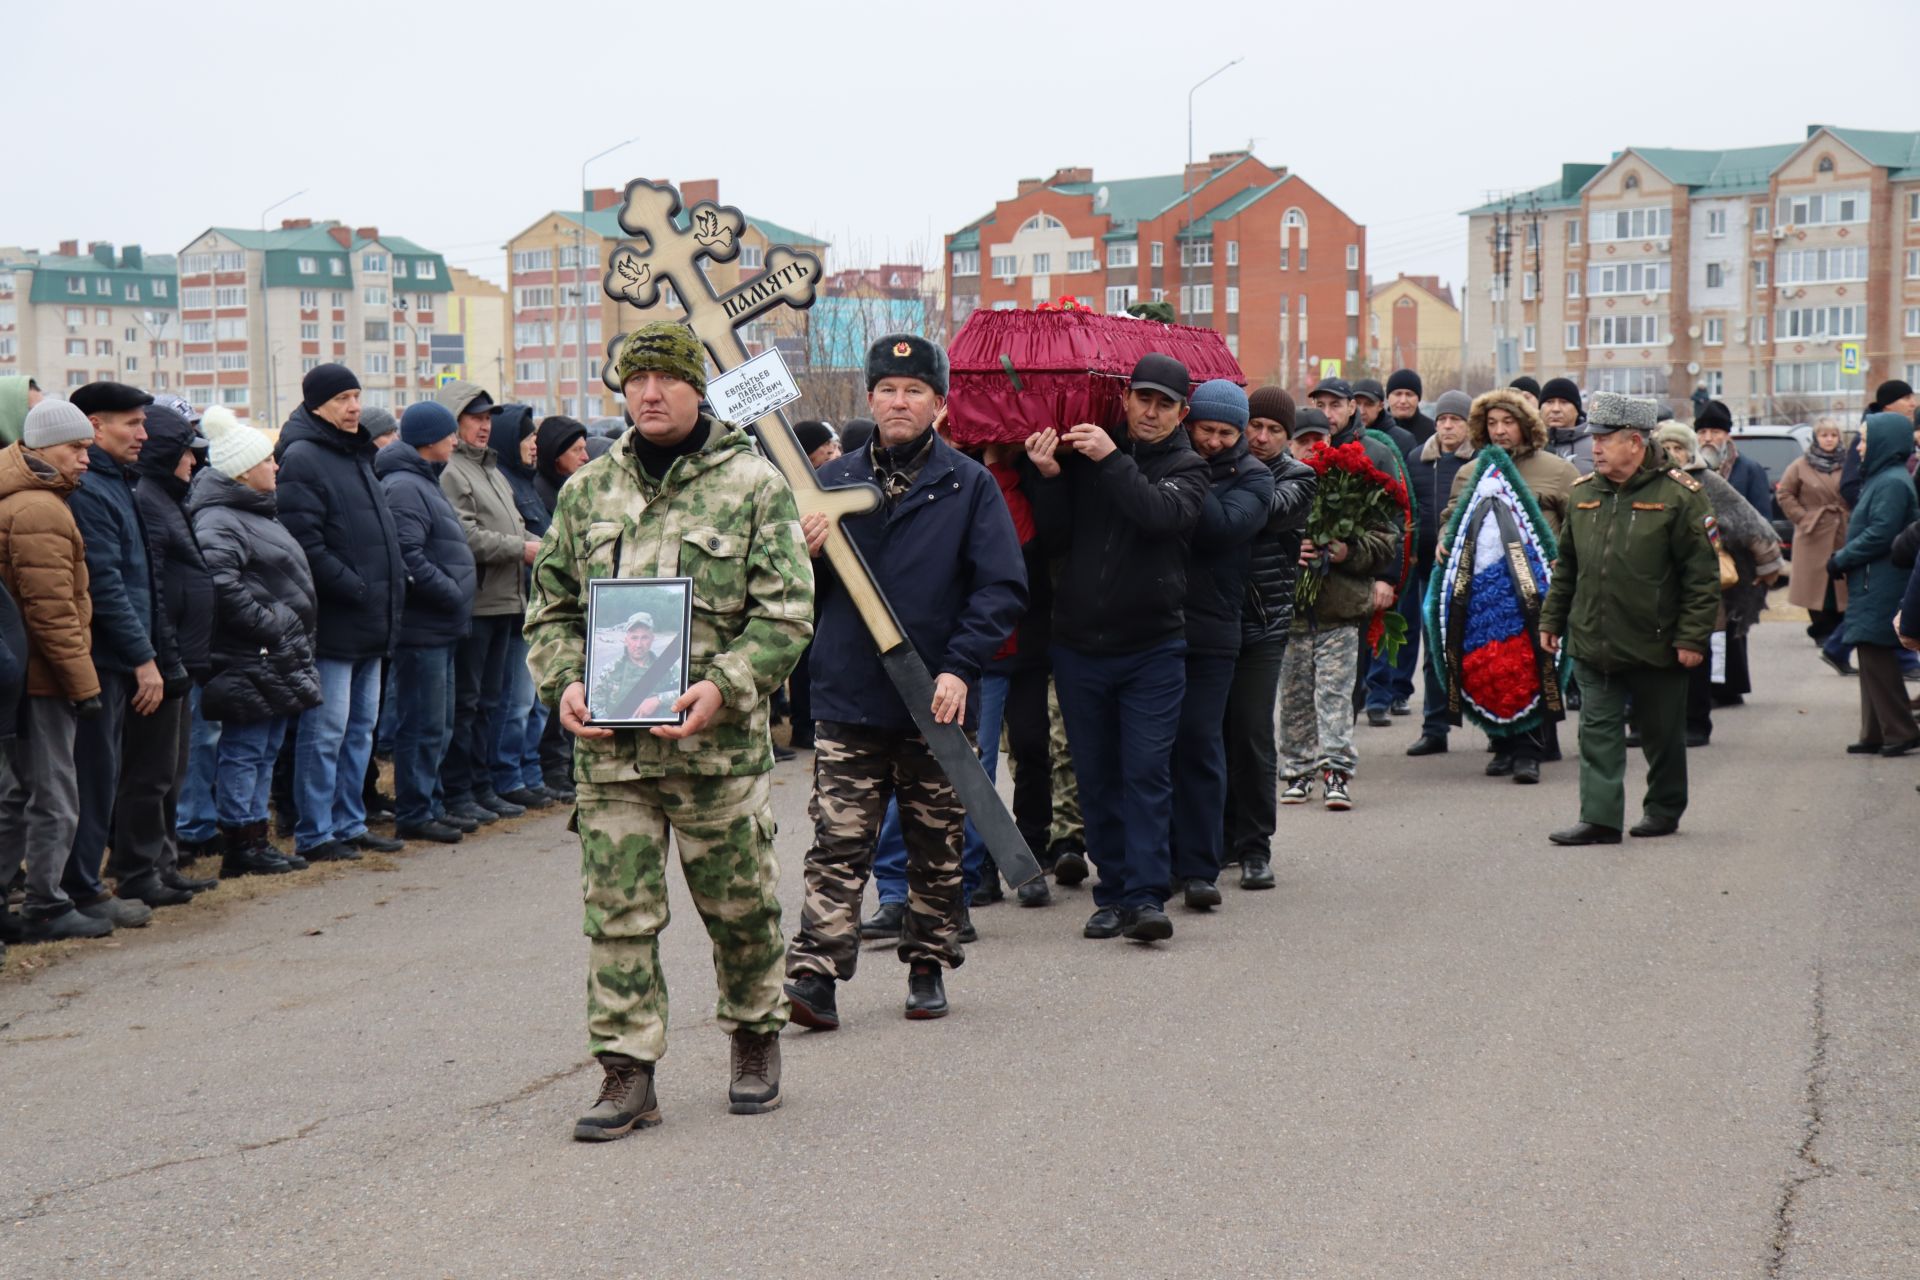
[(616, 608)]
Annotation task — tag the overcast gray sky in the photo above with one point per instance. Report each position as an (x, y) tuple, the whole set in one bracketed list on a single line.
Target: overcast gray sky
[(880, 126)]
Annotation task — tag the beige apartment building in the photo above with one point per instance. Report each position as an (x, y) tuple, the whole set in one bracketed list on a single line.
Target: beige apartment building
[(1783, 280), (555, 267), (477, 311), (1414, 324), (70, 318), (259, 309)]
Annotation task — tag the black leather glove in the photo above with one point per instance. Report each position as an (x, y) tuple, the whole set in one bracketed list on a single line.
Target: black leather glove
[(1834, 570), (87, 708), (175, 686)]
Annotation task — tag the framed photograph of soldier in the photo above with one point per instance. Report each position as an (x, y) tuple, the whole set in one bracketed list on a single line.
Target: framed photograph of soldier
[(637, 631)]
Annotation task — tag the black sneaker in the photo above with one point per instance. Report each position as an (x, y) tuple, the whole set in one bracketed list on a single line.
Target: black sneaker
[(152, 891), (1148, 924), (626, 1101), (330, 851), (432, 829), (1069, 862), (885, 921), (967, 932), (1035, 893), (926, 993), (1428, 744), (1377, 717), (1104, 923), (987, 892), (1526, 771), (782, 754), (58, 926), (755, 1087), (497, 805), (1335, 785), (1500, 766), (811, 995), (468, 811), (559, 795), (1297, 791), (1256, 873), (174, 878), (372, 843), (465, 826), (1201, 895), (528, 798)]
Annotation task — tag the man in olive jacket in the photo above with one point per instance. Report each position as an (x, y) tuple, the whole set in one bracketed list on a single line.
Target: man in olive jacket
[(1635, 596), (482, 497), (681, 494)]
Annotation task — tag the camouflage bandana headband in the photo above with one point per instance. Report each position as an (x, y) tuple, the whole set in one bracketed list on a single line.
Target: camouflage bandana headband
[(664, 347)]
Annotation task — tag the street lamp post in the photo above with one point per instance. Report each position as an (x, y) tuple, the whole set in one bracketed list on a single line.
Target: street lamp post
[(266, 322), (579, 291), (1186, 177)]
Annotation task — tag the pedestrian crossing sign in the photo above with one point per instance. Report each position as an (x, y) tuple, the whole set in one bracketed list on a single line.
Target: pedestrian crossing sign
[(1330, 368), (1850, 357), (441, 380)]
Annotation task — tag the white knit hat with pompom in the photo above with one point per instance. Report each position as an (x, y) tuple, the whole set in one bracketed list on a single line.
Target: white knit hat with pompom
[(233, 447)]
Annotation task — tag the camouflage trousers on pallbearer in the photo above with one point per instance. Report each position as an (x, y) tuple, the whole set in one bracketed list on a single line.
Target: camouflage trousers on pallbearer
[(1316, 702), (1066, 788), (856, 770), (724, 829)]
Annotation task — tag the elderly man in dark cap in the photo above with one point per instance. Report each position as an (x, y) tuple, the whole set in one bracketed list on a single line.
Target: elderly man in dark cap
[(944, 551), (1714, 427)]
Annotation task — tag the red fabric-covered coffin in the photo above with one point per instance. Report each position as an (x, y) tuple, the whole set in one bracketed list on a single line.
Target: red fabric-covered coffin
[(1017, 372)]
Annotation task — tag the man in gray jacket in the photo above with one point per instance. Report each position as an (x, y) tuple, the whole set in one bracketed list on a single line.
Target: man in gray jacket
[(483, 499)]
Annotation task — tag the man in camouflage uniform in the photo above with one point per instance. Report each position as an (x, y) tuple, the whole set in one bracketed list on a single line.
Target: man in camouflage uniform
[(944, 552), (1635, 595), (680, 495), (632, 673)]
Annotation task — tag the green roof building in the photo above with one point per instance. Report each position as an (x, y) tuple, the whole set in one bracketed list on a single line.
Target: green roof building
[(100, 314)]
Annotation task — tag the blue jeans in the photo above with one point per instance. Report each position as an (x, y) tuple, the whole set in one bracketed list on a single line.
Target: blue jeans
[(1198, 830), (1121, 712), (1389, 682), (331, 750), (516, 759), (246, 756), (423, 692), (890, 850), (196, 820)]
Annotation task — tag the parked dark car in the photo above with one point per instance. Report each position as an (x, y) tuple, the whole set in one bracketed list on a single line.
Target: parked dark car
[(1775, 447)]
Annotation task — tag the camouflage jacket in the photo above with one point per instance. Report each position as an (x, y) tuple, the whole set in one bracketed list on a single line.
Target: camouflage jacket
[(722, 517)]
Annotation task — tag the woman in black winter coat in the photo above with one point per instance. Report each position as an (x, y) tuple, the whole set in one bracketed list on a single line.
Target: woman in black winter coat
[(263, 641)]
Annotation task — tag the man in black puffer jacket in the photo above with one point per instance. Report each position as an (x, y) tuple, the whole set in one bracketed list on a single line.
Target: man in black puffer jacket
[(439, 614), (331, 502), (1253, 761), (145, 848), (1239, 495), (1431, 479), (1124, 513)]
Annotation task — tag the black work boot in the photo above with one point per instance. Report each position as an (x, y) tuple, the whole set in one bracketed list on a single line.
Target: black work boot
[(174, 878), (1147, 924), (1035, 893), (626, 1101), (926, 993), (1256, 873), (811, 995), (1201, 895), (756, 1072), (152, 890), (242, 857), (885, 921), (1069, 862)]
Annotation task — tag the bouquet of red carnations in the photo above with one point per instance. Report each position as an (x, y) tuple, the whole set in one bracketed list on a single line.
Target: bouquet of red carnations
[(1353, 495)]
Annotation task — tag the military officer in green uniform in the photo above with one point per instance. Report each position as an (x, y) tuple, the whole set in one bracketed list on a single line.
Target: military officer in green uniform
[(1634, 598), (680, 495), (617, 695)]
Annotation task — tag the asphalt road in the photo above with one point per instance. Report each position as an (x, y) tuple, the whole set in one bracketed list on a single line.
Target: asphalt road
[(1441, 1048)]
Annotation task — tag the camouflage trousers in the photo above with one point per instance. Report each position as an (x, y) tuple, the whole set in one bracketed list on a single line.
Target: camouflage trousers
[(1316, 702), (1066, 789), (856, 770), (724, 829)]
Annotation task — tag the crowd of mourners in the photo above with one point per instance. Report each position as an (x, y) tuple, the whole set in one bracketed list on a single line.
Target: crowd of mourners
[(210, 638)]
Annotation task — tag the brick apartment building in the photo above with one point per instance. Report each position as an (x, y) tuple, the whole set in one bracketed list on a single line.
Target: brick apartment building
[(70, 318), (1413, 323), (555, 267), (1754, 274), (1253, 251), (259, 309)]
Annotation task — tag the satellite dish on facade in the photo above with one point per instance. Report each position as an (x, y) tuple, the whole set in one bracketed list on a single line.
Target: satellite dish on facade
[(1100, 200)]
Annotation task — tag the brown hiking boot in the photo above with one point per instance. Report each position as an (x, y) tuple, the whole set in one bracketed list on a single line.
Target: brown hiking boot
[(626, 1101), (756, 1072)]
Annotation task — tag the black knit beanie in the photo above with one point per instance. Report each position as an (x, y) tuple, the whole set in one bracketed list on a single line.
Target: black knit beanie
[(324, 382)]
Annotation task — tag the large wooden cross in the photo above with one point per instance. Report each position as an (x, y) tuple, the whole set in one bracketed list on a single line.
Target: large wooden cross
[(671, 253)]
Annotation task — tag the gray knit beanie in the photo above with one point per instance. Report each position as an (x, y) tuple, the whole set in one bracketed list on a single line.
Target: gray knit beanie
[(54, 422), (1457, 403)]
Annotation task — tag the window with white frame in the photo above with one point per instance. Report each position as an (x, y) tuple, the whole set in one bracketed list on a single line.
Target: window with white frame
[(1715, 382), (423, 302), (1573, 284), (1497, 289), (231, 260), (1233, 299), (159, 288), (1762, 268), (103, 346), (1573, 231), (426, 269), (1533, 236), (133, 293), (191, 265), (339, 333), (1303, 257), (233, 361), (529, 371), (533, 260), (309, 363), (1623, 331), (76, 315), (1815, 266), (1233, 345), (76, 346), (1630, 277), (399, 267), (230, 296), (308, 266), (1791, 377), (1198, 254), (76, 377), (1120, 297), (1353, 302), (1006, 265), (1043, 222), (1571, 341), (1529, 286), (375, 295), (531, 297), (309, 332), (103, 287), (1913, 264), (1079, 260), (378, 331), (1353, 257), (199, 364), (131, 364), (337, 299), (1043, 264), (1822, 208), (1760, 216), (1158, 254), (1647, 222), (336, 267), (197, 331), (1196, 300), (376, 362), (1125, 254), (233, 395), (1810, 324), (1631, 380), (1913, 322), (102, 315), (1716, 275), (588, 255), (374, 263), (1714, 332), (1233, 253), (966, 262), (229, 330), (198, 298), (1716, 222), (1758, 332), (309, 299), (1911, 373), (1526, 337)]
